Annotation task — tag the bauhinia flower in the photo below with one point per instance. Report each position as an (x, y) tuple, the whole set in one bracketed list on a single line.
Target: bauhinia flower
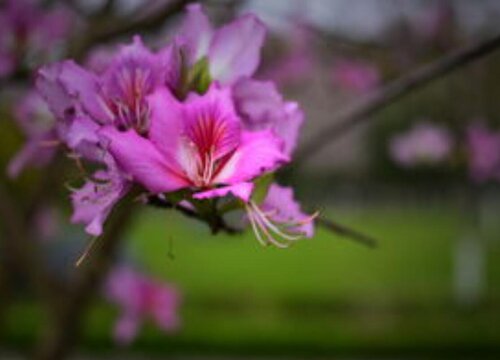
[(37, 123), (199, 145), (483, 147), (185, 122), (424, 144), (139, 298), (30, 33), (355, 75)]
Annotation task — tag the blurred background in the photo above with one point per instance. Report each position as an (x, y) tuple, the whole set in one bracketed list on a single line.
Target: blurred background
[(421, 176)]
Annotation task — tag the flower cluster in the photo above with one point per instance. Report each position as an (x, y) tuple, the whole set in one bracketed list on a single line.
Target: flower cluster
[(186, 123), (140, 297)]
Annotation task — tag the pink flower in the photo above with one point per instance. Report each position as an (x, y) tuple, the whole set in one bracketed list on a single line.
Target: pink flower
[(199, 144), (233, 51), (139, 298), (298, 63), (188, 117), (355, 75), (37, 124), (424, 144), (29, 31), (483, 147)]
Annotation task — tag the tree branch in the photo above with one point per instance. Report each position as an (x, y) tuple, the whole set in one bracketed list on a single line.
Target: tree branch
[(110, 29), (347, 232), (216, 224), (373, 103), (66, 317)]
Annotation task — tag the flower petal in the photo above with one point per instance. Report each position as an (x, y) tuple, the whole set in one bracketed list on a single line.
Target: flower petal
[(242, 191), (166, 124), (259, 152), (34, 152), (139, 158), (52, 91), (84, 87), (196, 33), (235, 49), (95, 200), (262, 107)]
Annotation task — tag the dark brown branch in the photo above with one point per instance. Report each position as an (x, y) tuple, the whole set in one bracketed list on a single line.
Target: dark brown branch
[(347, 232), (61, 333), (21, 244), (373, 103), (110, 29), (216, 223)]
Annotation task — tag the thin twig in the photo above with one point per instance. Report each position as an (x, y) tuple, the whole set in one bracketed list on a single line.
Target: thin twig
[(361, 112), (113, 28), (347, 232), (216, 224)]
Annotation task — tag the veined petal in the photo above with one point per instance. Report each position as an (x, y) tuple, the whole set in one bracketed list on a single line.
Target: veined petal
[(196, 33), (166, 125), (84, 87), (235, 49), (210, 121), (139, 158), (95, 200), (242, 191), (259, 152), (52, 91)]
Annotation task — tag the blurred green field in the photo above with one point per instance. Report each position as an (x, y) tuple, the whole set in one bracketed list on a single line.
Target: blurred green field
[(326, 295)]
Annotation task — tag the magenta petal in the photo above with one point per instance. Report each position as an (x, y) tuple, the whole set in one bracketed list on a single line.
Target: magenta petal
[(166, 126), (242, 191), (85, 88), (260, 152), (235, 49), (139, 158), (211, 121), (196, 32)]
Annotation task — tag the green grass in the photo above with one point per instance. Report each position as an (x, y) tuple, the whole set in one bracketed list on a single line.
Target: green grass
[(324, 295)]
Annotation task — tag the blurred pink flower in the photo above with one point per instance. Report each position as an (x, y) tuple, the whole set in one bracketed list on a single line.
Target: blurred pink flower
[(483, 146), (424, 144), (37, 123), (139, 298), (298, 63), (355, 75), (29, 30)]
